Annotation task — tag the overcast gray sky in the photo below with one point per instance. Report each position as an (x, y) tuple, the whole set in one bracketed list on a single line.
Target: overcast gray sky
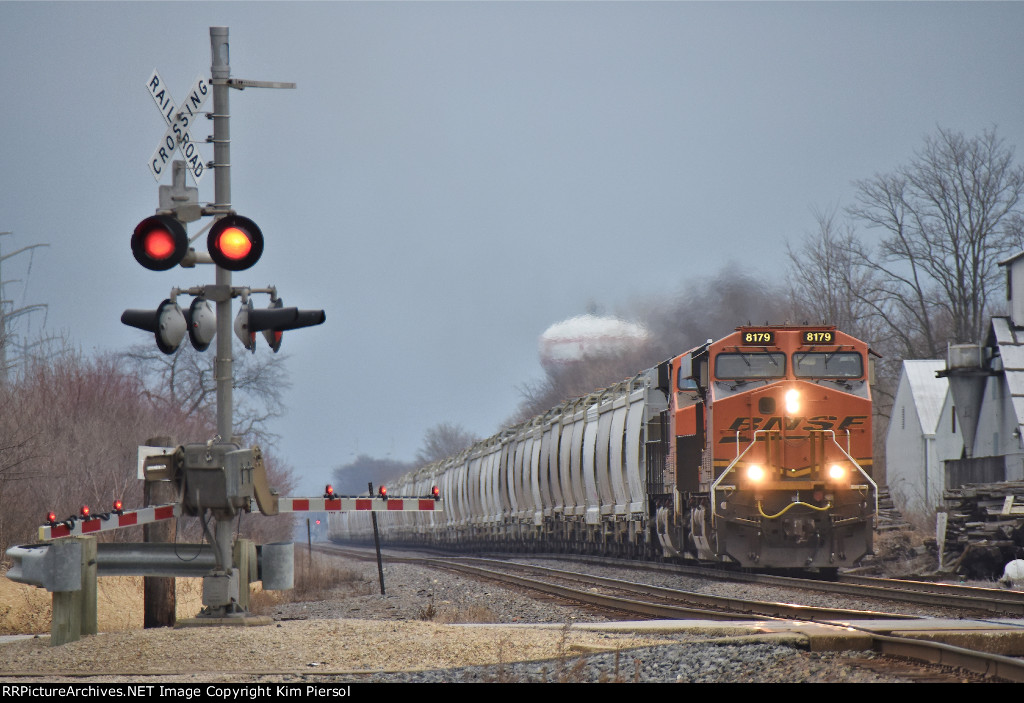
[(450, 178)]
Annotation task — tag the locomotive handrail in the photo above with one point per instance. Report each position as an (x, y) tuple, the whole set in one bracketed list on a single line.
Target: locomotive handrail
[(732, 464), (857, 464)]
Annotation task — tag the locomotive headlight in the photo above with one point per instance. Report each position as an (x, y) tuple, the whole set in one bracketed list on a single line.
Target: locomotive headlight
[(755, 473), (837, 472), (792, 401)]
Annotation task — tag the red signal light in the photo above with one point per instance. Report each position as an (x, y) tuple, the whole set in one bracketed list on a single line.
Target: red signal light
[(436, 492), (235, 243), (383, 492), (51, 519), (329, 491), (118, 507), (274, 338), (159, 242), (85, 512)]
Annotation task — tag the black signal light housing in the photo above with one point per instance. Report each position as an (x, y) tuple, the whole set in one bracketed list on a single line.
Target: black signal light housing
[(235, 243), (159, 242)]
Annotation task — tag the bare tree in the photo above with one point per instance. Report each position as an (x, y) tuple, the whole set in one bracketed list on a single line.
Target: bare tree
[(824, 281), (443, 440), (947, 218), (70, 436), (74, 425), (184, 381)]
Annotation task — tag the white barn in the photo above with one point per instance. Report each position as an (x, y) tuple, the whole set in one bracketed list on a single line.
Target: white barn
[(914, 462)]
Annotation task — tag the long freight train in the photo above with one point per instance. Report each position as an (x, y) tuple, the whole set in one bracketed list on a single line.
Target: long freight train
[(754, 449)]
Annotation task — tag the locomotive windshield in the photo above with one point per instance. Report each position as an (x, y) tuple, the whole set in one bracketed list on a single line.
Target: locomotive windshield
[(750, 365), (828, 365)]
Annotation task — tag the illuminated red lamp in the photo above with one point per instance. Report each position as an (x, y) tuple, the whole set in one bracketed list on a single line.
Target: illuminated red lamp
[(118, 507), (383, 491), (436, 492), (329, 491), (84, 513), (159, 242), (51, 518), (235, 243)]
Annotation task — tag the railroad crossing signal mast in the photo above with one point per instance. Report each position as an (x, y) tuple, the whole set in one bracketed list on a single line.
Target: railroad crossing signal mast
[(219, 475)]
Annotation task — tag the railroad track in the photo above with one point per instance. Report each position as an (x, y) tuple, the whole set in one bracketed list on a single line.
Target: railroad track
[(959, 598), (975, 597), (658, 602), (964, 599), (644, 599)]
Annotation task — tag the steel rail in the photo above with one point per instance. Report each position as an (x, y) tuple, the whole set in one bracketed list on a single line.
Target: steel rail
[(915, 592), (941, 654), (636, 607), (741, 605)]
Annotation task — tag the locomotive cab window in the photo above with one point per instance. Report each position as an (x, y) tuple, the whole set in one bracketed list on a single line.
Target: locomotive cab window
[(687, 384), (828, 365), (750, 365)]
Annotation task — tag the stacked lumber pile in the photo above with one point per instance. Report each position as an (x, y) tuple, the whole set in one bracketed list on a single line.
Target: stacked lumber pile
[(984, 527)]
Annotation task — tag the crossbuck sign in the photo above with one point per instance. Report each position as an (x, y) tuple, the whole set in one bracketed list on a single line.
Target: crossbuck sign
[(179, 121)]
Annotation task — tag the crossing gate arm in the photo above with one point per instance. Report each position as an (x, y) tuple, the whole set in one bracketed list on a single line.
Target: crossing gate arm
[(76, 527), (341, 504)]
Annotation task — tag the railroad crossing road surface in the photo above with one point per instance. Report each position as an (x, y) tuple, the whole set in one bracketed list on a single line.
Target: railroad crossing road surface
[(996, 636)]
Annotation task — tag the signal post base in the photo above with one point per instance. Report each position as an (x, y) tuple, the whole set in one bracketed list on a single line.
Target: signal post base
[(237, 620)]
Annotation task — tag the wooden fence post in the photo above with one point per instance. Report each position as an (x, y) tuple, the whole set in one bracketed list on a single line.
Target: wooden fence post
[(74, 612)]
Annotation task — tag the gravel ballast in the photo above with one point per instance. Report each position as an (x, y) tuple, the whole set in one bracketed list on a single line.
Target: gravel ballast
[(430, 627)]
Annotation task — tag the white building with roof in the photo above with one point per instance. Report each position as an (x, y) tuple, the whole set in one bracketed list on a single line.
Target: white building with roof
[(915, 448)]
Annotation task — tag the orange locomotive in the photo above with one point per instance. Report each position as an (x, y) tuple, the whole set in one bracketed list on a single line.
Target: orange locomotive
[(770, 459)]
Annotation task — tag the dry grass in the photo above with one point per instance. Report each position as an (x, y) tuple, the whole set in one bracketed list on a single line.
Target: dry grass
[(467, 614), (566, 669), (316, 578), (905, 553), (899, 544), (119, 599), (448, 614), (119, 604)]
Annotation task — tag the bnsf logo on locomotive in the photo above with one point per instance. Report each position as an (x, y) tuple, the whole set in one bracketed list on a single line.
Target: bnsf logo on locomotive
[(792, 424)]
